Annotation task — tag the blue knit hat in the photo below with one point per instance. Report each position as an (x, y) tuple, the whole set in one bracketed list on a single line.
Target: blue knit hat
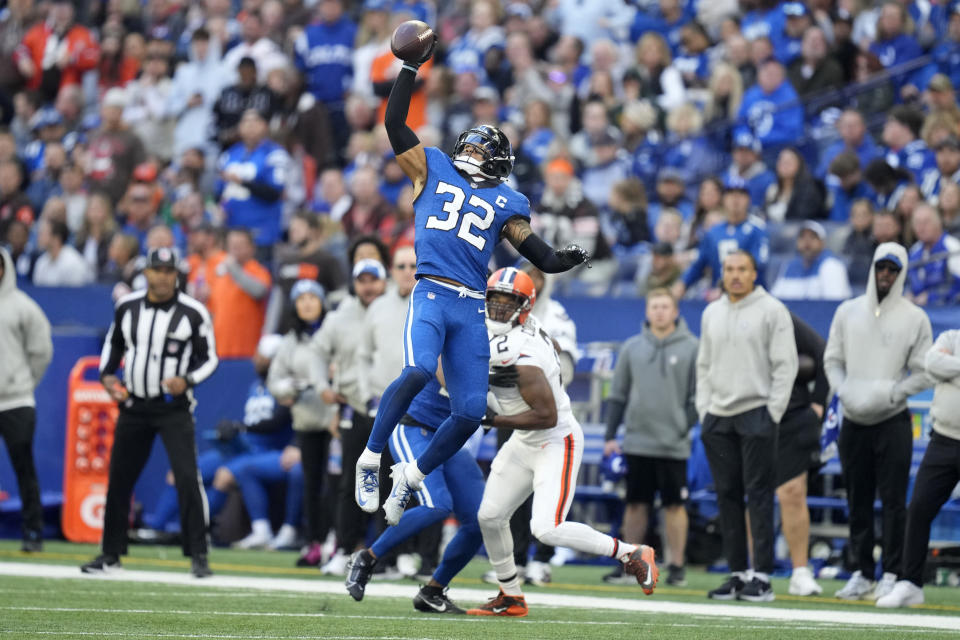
[(307, 286)]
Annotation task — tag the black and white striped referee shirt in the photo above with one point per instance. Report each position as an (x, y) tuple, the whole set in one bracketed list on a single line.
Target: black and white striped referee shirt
[(159, 341)]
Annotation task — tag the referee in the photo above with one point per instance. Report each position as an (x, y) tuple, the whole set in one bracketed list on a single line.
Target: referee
[(165, 340)]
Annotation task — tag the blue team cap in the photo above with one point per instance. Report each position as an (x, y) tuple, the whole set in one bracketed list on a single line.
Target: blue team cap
[(734, 183), (795, 9), (746, 140), (892, 258), (307, 286), (46, 117), (371, 266), (377, 5)]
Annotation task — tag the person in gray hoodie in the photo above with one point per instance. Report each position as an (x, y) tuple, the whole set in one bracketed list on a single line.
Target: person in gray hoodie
[(746, 367), (874, 361), (939, 470), (25, 351), (653, 393), (337, 346)]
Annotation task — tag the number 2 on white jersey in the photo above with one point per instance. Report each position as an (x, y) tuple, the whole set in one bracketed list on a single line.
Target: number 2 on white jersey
[(470, 219)]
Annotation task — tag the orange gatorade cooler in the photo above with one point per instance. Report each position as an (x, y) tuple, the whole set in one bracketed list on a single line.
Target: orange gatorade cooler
[(91, 418)]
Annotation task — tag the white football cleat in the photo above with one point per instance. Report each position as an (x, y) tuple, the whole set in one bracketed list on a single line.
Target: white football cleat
[(286, 538), (367, 493), (399, 494), (857, 588), (259, 538), (885, 586), (336, 565), (803, 584), (904, 594), (538, 573)]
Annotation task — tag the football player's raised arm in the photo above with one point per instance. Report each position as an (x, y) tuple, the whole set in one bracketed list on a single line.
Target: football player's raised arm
[(518, 232), (536, 392), (406, 145)]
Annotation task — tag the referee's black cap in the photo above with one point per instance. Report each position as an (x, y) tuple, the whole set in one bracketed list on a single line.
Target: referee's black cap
[(162, 257)]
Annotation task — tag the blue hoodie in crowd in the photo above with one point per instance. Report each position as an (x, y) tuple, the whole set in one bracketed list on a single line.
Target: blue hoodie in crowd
[(916, 157), (946, 60), (775, 118), (760, 22), (724, 238), (867, 151), (697, 64), (694, 156), (324, 54), (895, 52), (940, 282), (670, 31), (841, 200)]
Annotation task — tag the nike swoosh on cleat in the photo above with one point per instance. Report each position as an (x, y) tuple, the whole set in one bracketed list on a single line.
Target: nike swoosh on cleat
[(499, 609), (439, 609)]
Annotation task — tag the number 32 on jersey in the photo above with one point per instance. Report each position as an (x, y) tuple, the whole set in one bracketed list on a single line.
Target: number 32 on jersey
[(454, 208)]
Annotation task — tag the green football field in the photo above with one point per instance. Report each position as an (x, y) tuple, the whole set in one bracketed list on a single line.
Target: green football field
[(262, 596)]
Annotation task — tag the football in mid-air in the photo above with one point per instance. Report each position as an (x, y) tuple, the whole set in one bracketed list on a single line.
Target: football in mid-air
[(412, 40)]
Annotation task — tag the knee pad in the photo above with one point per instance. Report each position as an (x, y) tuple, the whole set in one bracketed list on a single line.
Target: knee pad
[(415, 377), (465, 424), (474, 407), (489, 516)]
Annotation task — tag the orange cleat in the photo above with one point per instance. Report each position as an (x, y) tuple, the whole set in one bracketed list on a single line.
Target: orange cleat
[(502, 605), (642, 564)]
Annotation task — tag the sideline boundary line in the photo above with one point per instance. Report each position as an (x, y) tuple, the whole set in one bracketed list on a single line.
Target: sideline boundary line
[(861, 618)]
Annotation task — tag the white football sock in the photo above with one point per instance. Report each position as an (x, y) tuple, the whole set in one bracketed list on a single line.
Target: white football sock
[(413, 475), (369, 457)]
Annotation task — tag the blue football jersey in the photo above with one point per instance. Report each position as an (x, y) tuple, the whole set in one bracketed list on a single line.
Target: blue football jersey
[(458, 224), (430, 407), (267, 164)]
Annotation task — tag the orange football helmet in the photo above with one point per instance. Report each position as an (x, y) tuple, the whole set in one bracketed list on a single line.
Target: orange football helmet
[(502, 317)]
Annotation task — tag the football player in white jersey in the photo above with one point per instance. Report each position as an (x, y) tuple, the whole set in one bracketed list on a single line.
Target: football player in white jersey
[(543, 454)]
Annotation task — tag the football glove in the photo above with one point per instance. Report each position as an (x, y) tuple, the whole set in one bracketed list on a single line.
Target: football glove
[(572, 255)]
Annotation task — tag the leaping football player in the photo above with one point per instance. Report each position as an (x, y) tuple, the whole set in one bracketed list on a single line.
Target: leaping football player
[(463, 208), (542, 455)]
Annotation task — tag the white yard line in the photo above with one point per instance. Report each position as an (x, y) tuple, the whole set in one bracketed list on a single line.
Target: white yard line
[(817, 618), (188, 636)]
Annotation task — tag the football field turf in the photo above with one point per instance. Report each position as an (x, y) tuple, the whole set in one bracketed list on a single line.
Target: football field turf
[(261, 596)]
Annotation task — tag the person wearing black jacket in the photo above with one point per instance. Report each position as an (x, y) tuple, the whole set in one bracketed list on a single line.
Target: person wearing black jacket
[(165, 340), (798, 451), (237, 98)]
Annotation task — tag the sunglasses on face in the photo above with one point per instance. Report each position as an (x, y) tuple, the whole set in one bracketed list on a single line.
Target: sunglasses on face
[(886, 267)]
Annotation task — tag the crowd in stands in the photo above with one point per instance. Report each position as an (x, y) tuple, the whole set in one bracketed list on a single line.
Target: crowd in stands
[(660, 135), (637, 127)]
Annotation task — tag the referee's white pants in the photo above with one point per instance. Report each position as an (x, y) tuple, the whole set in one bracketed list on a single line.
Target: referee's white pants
[(550, 472)]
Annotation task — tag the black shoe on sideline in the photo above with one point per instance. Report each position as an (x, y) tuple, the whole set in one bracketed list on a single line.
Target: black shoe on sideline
[(617, 576), (199, 566), (32, 542), (728, 590), (103, 563), (435, 600), (359, 569), (676, 576), (757, 590)]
